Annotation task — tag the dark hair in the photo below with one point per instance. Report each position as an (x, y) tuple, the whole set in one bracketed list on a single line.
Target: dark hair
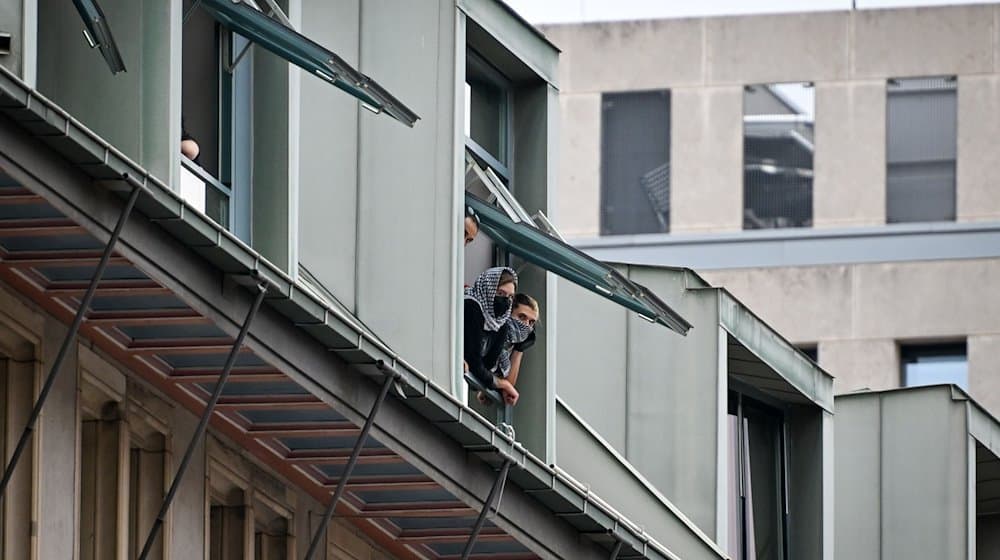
[(525, 299), (507, 277)]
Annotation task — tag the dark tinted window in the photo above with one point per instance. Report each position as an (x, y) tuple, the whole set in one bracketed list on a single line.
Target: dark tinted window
[(635, 162), (921, 123)]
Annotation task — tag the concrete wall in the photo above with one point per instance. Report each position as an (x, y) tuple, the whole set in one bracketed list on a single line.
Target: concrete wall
[(902, 475), (42, 505), (858, 314), (847, 55)]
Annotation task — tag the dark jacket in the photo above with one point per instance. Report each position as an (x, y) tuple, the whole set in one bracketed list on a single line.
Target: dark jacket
[(483, 348)]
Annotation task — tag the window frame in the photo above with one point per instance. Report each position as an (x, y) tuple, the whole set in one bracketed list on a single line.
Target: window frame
[(951, 83), (611, 227), (911, 353), (245, 19), (503, 163), (779, 168)]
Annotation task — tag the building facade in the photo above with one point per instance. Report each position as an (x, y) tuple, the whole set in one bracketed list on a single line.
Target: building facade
[(253, 349), (834, 170)]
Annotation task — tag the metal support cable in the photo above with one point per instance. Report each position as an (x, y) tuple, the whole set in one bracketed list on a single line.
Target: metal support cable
[(74, 328), (203, 422), (497, 484), (390, 379)]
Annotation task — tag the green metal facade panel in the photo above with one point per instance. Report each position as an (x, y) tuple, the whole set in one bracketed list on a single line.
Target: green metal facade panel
[(12, 16), (516, 35), (903, 474), (857, 477), (130, 109), (593, 357), (673, 406), (924, 475), (407, 220), (328, 163), (598, 467)]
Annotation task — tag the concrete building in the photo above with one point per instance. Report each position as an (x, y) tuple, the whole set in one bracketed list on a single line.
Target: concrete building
[(836, 171), (212, 355)]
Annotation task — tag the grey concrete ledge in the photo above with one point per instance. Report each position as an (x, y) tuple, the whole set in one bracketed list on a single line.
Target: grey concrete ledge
[(801, 246)]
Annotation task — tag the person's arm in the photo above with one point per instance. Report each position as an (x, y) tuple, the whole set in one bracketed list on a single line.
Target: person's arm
[(515, 357), (473, 343), (515, 366)]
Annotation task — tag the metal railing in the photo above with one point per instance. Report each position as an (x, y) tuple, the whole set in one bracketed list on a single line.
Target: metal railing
[(206, 193)]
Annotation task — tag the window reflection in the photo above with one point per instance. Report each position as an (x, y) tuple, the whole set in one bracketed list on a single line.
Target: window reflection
[(778, 145)]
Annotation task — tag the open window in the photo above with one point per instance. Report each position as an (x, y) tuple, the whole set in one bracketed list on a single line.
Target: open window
[(233, 102), (245, 18), (98, 33), (508, 225)]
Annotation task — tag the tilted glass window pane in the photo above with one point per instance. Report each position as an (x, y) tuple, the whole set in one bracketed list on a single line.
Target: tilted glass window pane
[(778, 129), (935, 365), (635, 162), (98, 33), (553, 255), (246, 20), (921, 144)]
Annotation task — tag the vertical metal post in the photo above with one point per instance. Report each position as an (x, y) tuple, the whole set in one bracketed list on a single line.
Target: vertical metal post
[(616, 550), (497, 484), (203, 422), (74, 328), (390, 379)]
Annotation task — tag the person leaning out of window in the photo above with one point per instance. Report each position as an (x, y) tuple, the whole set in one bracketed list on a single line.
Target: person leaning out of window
[(487, 309)]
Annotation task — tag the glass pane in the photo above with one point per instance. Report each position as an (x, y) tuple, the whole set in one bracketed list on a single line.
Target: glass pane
[(778, 132), (487, 116), (635, 162), (545, 251), (921, 132), (217, 207), (930, 365)]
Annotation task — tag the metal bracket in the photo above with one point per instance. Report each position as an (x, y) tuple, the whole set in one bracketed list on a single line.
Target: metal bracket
[(391, 377), (616, 550), (229, 63), (199, 432), (495, 494), (68, 339)]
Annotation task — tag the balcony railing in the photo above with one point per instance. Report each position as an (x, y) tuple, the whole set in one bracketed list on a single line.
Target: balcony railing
[(206, 193)]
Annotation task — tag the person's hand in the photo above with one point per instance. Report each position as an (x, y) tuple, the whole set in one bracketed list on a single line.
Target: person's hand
[(482, 398), (506, 388), (465, 366)]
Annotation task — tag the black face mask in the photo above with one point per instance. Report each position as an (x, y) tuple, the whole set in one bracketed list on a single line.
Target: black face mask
[(501, 305)]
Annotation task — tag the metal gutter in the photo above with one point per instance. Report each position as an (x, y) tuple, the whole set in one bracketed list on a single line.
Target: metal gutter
[(334, 329)]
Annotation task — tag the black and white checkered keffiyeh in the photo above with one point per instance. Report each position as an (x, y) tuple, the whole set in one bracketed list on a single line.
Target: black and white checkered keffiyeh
[(483, 290)]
